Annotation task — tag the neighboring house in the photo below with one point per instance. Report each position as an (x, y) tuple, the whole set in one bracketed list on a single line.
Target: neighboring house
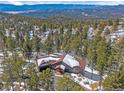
[(31, 34), (90, 33), (115, 35)]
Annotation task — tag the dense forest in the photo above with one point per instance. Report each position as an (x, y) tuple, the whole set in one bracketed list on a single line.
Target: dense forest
[(24, 38)]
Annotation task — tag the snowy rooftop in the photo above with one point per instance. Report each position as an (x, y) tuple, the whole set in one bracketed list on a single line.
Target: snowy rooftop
[(118, 33), (47, 59), (88, 69), (69, 60), (1, 54)]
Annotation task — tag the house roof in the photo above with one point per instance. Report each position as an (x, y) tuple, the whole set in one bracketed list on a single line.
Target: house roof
[(70, 61), (47, 59)]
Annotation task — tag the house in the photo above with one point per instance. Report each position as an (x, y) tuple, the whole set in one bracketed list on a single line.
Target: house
[(115, 35), (50, 61), (90, 33), (31, 34), (63, 62), (78, 70)]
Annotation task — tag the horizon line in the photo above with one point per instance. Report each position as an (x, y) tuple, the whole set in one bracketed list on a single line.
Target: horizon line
[(20, 3)]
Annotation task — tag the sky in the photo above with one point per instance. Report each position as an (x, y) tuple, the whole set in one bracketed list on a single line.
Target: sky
[(30, 2)]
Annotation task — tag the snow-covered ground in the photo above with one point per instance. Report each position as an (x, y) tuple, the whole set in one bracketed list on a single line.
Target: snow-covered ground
[(1, 54), (31, 60), (84, 82)]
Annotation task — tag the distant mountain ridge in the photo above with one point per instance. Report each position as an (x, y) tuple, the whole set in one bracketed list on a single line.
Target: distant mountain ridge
[(65, 11), (10, 7)]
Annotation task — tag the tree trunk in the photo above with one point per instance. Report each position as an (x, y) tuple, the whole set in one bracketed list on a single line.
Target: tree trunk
[(10, 73), (37, 62), (92, 70), (100, 82)]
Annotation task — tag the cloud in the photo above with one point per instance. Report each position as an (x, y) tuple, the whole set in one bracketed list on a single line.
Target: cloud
[(15, 2), (70, 2), (109, 2)]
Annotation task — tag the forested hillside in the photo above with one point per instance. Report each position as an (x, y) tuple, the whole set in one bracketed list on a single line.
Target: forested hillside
[(23, 38)]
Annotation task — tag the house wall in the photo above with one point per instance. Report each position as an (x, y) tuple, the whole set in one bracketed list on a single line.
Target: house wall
[(72, 70)]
